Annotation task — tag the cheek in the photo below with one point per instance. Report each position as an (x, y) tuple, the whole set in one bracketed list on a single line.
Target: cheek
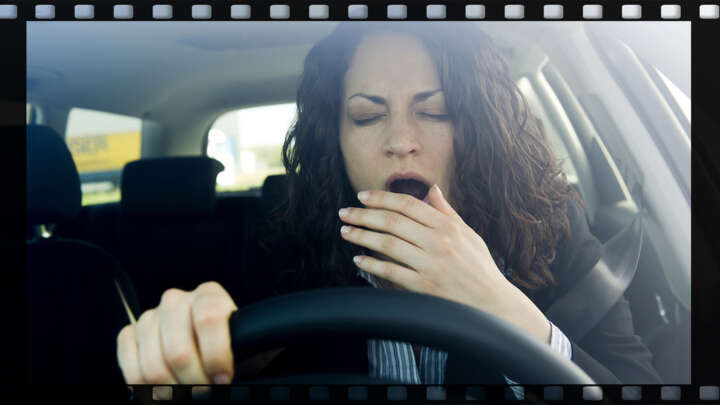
[(450, 153), (444, 150), (362, 162), (351, 160)]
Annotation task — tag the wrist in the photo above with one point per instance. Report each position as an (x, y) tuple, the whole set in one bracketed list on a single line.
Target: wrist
[(528, 317)]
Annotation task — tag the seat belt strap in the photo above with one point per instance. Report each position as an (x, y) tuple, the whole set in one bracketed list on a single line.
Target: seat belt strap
[(130, 315), (584, 306)]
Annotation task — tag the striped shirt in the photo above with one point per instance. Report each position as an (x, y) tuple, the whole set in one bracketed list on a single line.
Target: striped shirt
[(394, 360)]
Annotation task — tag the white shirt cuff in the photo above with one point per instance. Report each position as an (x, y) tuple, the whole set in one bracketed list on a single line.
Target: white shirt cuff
[(559, 342)]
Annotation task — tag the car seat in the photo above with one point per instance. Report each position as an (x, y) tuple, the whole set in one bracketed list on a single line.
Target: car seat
[(79, 298), (167, 234)]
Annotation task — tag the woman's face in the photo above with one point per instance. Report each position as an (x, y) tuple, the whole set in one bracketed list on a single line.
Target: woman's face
[(393, 122)]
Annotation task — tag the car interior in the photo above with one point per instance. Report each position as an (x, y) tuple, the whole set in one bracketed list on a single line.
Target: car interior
[(171, 228)]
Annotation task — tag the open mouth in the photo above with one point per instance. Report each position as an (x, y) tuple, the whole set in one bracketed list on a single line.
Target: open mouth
[(412, 187)]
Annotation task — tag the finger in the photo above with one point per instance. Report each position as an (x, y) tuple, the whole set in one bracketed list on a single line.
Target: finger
[(388, 221), (152, 364), (402, 276), (438, 201), (403, 203), (389, 245), (128, 356), (211, 313), (178, 338)]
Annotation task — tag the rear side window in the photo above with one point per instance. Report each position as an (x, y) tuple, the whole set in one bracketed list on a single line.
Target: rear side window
[(551, 131), (248, 142), (101, 144)]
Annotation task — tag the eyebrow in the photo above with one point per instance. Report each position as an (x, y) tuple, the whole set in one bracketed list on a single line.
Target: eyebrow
[(422, 96)]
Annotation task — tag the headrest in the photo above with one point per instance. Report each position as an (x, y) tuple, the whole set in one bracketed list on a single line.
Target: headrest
[(170, 186), (274, 189), (53, 184)]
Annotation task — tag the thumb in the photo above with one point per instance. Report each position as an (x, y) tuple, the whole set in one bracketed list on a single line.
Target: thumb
[(437, 200)]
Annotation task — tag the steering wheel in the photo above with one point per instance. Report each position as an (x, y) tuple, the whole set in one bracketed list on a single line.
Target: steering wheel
[(455, 328)]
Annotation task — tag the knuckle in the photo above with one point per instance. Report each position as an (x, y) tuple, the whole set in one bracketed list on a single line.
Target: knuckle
[(408, 202), (446, 245), (179, 356), (126, 335), (210, 287), (391, 220), (146, 317), (387, 270), (171, 296), (456, 229), (387, 243), (208, 312)]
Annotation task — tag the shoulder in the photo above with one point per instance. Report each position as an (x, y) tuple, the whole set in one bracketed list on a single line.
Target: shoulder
[(581, 247), (575, 256)]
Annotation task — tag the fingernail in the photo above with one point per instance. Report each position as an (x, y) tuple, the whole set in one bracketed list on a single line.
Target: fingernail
[(343, 212), (363, 195), (221, 379), (357, 259), (344, 229), (438, 189)]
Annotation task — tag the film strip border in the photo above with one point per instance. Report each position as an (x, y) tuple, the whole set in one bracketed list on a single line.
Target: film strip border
[(550, 10), (389, 10), (612, 394)]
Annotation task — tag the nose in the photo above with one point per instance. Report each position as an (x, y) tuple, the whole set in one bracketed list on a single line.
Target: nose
[(401, 139)]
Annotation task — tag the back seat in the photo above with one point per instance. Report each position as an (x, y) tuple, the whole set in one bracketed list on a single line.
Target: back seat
[(78, 296), (175, 238), (167, 236)]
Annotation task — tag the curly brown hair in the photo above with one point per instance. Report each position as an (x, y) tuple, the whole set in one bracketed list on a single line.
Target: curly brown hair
[(508, 186)]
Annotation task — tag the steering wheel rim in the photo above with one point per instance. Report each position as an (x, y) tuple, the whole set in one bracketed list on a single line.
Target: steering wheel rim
[(398, 315)]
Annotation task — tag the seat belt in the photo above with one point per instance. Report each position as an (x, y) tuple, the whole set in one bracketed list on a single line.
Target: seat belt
[(584, 306), (130, 315)]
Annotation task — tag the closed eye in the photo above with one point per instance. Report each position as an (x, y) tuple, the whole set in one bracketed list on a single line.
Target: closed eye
[(438, 117), (367, 121)]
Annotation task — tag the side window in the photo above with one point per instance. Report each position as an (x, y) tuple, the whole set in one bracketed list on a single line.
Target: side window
[(32, 114), (675, 94), (248, 142), (556, 142), (101, 143)]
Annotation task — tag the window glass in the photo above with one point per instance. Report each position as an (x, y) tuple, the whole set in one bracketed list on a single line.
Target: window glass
[(682, 100), (248, 142), (101, 144), (556, 142)]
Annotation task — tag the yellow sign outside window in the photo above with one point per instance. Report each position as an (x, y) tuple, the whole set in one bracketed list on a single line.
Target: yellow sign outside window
[(100, 153)]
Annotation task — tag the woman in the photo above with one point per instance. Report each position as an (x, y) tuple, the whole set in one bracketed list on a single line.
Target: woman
[(415, 164)]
